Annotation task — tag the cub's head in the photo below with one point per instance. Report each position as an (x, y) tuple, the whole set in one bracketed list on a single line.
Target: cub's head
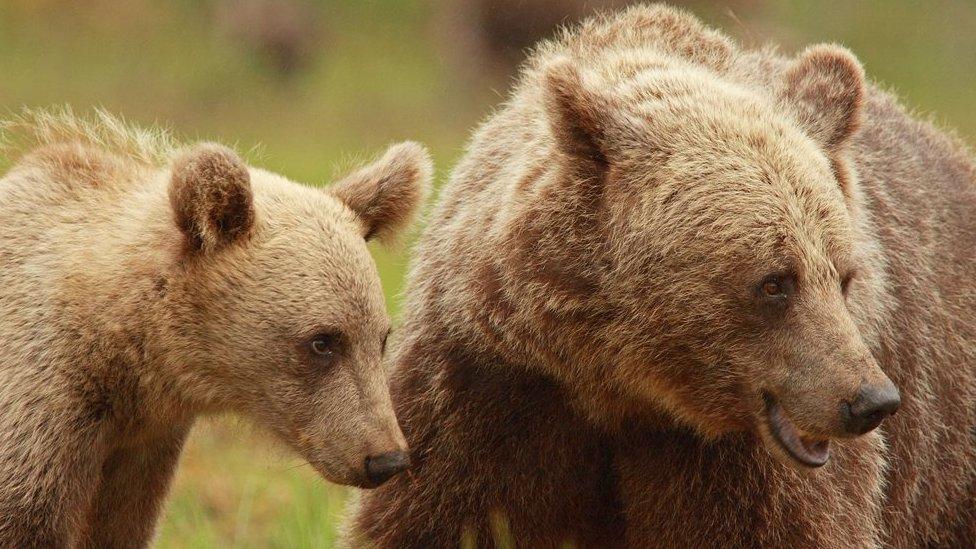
[(737, 264), (281, 307)]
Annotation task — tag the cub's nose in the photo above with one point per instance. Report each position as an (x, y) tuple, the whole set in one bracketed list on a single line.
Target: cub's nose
[(873, 403), (382, 467)]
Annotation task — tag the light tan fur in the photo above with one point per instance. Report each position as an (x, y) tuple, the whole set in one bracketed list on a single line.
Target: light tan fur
[(586, 350), (144, 283)]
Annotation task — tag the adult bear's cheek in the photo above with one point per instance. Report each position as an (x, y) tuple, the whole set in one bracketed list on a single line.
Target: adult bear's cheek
[(706, 398)]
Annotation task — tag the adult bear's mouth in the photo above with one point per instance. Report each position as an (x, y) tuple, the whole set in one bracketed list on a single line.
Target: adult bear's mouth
[(807, 450)]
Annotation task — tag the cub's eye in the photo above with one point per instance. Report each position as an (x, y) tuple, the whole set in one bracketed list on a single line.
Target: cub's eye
[(325, 345)]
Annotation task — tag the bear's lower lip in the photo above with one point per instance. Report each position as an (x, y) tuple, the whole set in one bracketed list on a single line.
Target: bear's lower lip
[(806, 450)]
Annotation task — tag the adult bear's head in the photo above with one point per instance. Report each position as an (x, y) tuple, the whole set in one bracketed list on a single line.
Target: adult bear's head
[(708, 236)]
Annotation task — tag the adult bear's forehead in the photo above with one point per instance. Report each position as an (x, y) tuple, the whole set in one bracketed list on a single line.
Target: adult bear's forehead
[(740, 208), (746, 187)]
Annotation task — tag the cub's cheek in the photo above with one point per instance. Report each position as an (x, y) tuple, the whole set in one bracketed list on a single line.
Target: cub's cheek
[(339, 474)]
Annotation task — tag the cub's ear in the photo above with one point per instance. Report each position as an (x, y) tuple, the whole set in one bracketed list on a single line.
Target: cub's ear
[(826, 86), (579, 118), (387, 193), (210, 193)]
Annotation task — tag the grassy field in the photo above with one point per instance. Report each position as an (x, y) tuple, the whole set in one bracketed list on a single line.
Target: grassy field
[(381, 75)]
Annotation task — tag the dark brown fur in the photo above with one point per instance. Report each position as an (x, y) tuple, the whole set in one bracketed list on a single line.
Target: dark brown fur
[(551, 373)]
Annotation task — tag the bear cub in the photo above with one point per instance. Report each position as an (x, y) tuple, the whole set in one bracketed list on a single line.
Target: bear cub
[(144, 284)]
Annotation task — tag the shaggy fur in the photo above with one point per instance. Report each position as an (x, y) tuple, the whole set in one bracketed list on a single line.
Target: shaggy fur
[(143, 284), (588, 353)]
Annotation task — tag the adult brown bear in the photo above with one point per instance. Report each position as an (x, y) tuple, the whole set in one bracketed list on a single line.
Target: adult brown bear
[(669, 294)]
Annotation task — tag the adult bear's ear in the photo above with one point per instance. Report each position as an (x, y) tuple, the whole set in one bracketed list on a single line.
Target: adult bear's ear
[(826, 87), (387, 193), (210, 194), (579, 118)]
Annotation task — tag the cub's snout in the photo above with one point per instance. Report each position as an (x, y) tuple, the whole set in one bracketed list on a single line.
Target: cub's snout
[(382, 467)]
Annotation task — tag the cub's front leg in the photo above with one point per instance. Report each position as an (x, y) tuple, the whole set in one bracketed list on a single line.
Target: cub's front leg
[(135, 480), (50, 460)]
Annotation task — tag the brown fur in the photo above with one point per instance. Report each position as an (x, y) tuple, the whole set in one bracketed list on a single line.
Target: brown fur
[(586, 351), (377, 194), (218, 212), (143, 284)]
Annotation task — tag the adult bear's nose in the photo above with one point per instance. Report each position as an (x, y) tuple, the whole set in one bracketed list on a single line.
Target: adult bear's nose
[(873, 403), (382, 467)]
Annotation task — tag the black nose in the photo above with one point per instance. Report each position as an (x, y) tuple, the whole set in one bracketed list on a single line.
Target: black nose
[(872, 404), (382, 467)]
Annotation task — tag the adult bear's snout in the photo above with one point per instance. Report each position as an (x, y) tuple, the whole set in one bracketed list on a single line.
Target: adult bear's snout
[(873, 403)]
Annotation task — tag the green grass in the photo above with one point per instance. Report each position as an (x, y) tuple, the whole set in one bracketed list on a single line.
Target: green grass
[(382, 78), (236, 487)]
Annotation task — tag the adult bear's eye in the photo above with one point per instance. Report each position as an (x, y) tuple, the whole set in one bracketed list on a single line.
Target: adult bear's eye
[(772, 288), (776, 286)]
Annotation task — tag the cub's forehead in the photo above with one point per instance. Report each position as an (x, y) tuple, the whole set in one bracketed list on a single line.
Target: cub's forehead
[(305, 235), (280, 201), (319, 275)]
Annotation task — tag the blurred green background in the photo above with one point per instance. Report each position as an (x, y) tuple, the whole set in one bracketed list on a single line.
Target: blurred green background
[(309, 88)]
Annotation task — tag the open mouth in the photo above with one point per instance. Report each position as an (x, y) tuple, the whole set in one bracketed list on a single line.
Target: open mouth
[(809, 451)]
